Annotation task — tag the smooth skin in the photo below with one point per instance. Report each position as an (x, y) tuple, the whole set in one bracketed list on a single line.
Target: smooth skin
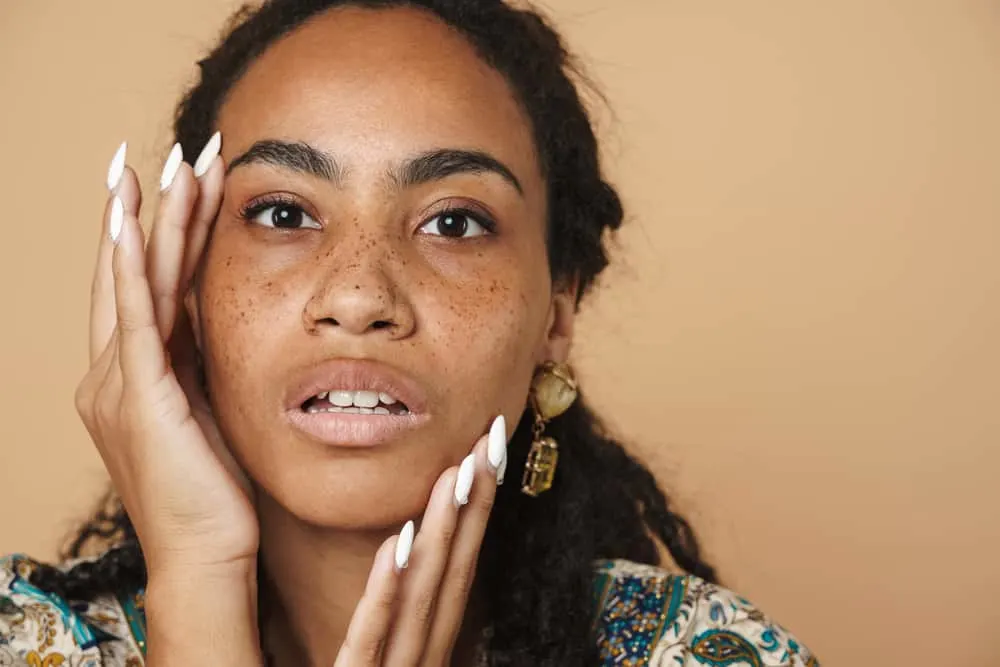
[(212, 483)]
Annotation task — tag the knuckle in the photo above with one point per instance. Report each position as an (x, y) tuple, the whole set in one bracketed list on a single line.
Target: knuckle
[(133, 323), (463, 578), (484, 501), (423, 609), (83, 399)]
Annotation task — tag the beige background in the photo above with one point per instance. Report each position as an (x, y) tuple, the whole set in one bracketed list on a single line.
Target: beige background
[(802, 338)]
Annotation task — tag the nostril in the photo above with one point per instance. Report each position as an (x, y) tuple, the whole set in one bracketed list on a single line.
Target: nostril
[(381, 324)]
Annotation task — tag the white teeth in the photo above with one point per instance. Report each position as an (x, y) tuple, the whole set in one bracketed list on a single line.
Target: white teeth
[(344, 399), (365, 399), (381, 411), (334, 408), (358, 399), (352, 411), (366, 411)]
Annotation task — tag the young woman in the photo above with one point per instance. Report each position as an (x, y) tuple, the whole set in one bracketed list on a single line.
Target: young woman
[(354, 313)]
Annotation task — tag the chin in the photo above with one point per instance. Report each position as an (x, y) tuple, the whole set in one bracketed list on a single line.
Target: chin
[(351, 495)]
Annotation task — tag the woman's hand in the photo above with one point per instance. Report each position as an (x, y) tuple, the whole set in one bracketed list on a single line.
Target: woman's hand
[(141, 400), (413, 605)]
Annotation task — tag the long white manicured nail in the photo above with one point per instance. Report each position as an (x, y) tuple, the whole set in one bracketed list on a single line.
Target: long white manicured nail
[(117, 219), (208, 154), (117, 167), (496, 444), (171, 166), (403, 546), (501, 471), (466, 473)]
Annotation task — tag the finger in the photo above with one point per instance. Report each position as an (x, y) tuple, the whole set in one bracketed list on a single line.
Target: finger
[(372, 618), (419, 591), (102, 292), (211, 190), (460, 573), (165, 253), (141, 351)]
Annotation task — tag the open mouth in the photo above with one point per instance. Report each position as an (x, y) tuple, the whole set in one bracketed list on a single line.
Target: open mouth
[(355, 403)]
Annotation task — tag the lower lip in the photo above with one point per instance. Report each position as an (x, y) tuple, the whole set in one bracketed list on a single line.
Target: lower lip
[(338, 429)]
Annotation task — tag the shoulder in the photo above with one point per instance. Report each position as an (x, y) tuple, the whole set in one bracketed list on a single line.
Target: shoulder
[(38, 628), (648, 616)]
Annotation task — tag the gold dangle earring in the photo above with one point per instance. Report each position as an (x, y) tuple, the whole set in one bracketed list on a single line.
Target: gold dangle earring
[(553, 390)]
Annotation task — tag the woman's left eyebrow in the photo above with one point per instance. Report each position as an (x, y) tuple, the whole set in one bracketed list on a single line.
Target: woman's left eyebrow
[(428, 166)]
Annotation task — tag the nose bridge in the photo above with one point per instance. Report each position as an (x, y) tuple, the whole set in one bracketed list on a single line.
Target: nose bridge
[(355, 290)]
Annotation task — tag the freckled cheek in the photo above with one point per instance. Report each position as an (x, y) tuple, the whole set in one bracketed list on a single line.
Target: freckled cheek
[(492, 328), (238, 308)]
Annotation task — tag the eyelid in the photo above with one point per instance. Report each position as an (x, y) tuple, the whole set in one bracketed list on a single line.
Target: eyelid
[(480, 213), (255, 206)]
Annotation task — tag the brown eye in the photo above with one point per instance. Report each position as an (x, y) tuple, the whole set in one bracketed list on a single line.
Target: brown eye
[(456, 224), (282, 216)]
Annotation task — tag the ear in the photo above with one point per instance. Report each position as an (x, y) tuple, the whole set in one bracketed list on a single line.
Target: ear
[(559, 328)]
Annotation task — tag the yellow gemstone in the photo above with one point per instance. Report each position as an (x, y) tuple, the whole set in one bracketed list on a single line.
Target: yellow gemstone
[(554, 390), (540, 469)]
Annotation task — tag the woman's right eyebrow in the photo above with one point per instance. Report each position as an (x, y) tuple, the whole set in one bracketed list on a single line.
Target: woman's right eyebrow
[(298, 156), (429, 166)]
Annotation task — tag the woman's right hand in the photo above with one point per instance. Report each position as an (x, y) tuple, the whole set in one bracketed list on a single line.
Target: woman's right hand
[(189, 501)]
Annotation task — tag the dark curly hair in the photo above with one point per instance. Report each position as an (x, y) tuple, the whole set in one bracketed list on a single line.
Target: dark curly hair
[(536, 567)]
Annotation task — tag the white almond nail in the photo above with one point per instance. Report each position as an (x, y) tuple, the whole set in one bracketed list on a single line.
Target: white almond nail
[(463, 485), (171, 166), (496, 447), (117, 168), (117, 219), (403, 546), (502, 470), (208, 154)]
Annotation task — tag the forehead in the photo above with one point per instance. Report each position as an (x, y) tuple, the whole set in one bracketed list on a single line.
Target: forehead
[(372, 85)]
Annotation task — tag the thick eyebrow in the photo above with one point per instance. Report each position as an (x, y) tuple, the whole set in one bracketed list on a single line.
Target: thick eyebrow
[(297, 156), (430, 166), (438, 164)]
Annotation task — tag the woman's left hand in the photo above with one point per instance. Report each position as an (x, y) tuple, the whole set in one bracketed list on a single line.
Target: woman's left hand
[(414, 604)]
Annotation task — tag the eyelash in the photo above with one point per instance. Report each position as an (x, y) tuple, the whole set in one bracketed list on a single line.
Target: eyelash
[(255, 207)]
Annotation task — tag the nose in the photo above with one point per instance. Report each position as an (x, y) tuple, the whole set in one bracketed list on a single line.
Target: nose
[(357, 295)]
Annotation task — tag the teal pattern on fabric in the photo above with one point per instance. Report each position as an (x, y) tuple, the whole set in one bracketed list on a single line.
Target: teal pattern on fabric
[(83, 635), (633, 612), (722, 648)]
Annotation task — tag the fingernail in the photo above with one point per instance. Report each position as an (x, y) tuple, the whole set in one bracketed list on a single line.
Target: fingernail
[(208, 154), (496, 446), (501, 471), (117, 219), (171, 166), (403, 546), (466, 473), (117, 167)]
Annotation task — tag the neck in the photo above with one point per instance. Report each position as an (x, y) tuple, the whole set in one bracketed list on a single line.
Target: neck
[(314, 578), (312, 581)]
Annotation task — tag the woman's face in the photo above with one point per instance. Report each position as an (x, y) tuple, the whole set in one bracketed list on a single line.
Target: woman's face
[(383, 229)]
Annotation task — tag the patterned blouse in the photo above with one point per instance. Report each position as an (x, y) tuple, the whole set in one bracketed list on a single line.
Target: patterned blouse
[(647, 617)]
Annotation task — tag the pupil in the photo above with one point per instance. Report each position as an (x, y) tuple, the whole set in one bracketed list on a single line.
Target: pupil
[(454, 225), (286, 216)]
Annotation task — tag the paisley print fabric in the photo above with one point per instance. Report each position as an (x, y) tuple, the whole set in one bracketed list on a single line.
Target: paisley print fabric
[(644, 616), (38, 629), (650, 617)]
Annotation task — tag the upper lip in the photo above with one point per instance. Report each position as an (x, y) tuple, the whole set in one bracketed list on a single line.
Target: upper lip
[(357, 375)]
